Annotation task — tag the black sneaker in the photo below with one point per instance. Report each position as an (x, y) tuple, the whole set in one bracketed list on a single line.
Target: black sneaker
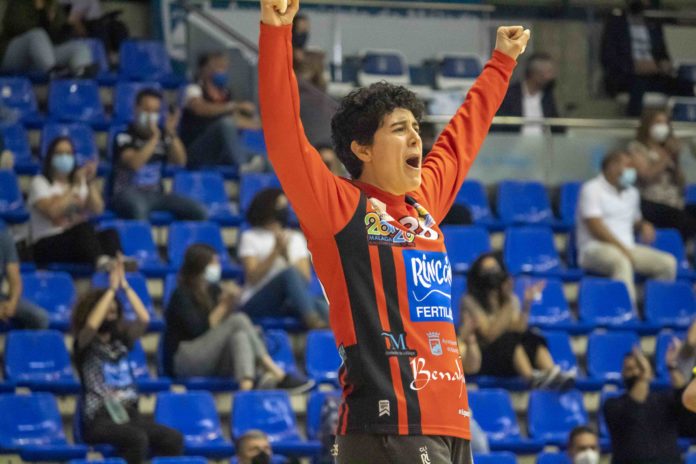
[(295, 384)]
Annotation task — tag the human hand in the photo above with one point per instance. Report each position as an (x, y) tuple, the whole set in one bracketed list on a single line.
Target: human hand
[(512, 40), (646, 368), (155, 132), (279, 12), (647, 233), (88, 171), (467, 329), (281, 244), (114, 277), (172, 122), (673, 351), (533, 292)]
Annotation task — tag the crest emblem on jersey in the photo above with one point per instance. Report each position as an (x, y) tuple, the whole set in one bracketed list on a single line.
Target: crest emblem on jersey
[(434, 342)]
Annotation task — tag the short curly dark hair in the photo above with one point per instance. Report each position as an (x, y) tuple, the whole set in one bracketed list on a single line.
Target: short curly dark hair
[(360, 114)]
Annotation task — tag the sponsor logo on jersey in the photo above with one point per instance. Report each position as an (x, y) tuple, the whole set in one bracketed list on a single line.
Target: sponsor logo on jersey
[(423, 376), (429, 284), (396, 344), (384, 408)]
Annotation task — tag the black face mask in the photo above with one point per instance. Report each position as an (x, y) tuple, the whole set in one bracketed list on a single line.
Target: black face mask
[(493, 279), (636, 7), (299, 39), (108, 326), (550, 85), (261, 458), (629, 382), (281, 215)]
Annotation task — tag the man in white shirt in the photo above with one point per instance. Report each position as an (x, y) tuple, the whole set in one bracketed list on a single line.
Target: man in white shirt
[(608, 215)]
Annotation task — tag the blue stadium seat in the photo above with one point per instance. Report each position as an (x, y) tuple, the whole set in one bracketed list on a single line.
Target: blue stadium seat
[(670, 241), (100, 461), (687, 71), (562, 354), (669, 304), (568, 202), (76, 100), (170, 284), (500, 457), (605, 303), (472, 194), (690, 194), (253, 140), (524, 202), (280, 349), (531, 250), (114, 130), (271, 412), (17, 95), (194, 415), (138, 283), (208, 187), (39, 360), (378, 65), (552, 415), (31, 426), (321, 357), (145, 381), (16, 140), (492, 409), (53, 291), (104, 74), (137, 242), (691, 458), (253, 183), (314, 405), (147, 60), (12, 208), (182, 234), (683, 109), (180, 460), (464, 244), (552, 458), (81, 136), (663, 341), (457, 70), (458, 291), (605, 354), (551, 310), (124, 100)]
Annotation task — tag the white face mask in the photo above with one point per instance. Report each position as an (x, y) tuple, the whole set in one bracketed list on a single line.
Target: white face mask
[(589, 456), (213, 273), (659, 132)]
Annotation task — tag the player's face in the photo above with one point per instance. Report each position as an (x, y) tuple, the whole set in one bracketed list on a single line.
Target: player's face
[(397, 153)]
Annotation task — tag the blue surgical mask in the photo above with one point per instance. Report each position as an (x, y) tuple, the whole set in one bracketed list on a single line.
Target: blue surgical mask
[(220, 79), (628, 177), (213, 273), (146, 118), (64, 163)]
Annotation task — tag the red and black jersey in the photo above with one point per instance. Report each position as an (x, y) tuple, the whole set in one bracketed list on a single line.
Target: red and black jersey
[(381, 257)]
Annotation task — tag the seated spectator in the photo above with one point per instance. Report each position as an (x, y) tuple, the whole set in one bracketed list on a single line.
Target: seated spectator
[(206, 335), (211, 118), (532, 97), (276, 264), (583, 445), (608, 215), (141, 154), (684, 354), (508, 346), (655, 155), (61, 200), (643, 425), (88, 20), (34, 38), (253, 447), (109, 398), (13, 308), (635, 58), (689, 396)]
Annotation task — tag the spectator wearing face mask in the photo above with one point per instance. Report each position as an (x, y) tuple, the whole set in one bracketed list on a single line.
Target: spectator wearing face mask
[(141, 154), (608, 216), (253, 447), (583, 446), (276, 265), (655, 154)]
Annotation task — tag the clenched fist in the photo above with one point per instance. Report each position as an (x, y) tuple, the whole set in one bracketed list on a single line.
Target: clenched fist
[(279, 12), (512, 40)]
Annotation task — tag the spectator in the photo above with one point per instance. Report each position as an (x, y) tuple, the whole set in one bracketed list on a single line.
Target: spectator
[(212, 119), (655, 155), (684, 354), (583, 445), (109, 398), (300, 36), (61, 200), (22, 313), (141, 154), (608, 213), (635, 58), (532, 97), (276, 264), (253, 447), (508, 347), (205, 336), (88, 20), (34, 38), (643, 425), (689, 396)]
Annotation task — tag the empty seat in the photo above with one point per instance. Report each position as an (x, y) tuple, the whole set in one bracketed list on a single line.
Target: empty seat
[(194, 415), (253, 183), (31, 426), (606, 352), (492, 409), (147, 60), (315, 403), (182, 234), (125, 94), (53, 291), (17, 95), (208, 187), (472, 194), (551, 310), (146, 382), (552, 415), (500, 457), (683, 108), (81, 135), (271, 412), (457, 70), (280, 349), (12, 207), (561, 349), (39, 360), (464, 244), (138, 283), (606, 303), (669, 304), (16, 140), (552, 458), (524, 202), (137, 242), (568, 201), (321, 357), (531, 250), (379, 65), (670, 241), (76, 100)]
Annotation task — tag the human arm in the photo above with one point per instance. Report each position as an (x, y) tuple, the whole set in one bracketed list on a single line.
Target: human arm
[(98, 313), (183, 311), (647, 170), (489, 328), (86, 176), (135, 158), (531, 293), (55, 207), (676, 377), (141, 313), (8, 307), (646, 231), (689, 396), (641, 389), (176, 151), (226, 302), (468, 345)]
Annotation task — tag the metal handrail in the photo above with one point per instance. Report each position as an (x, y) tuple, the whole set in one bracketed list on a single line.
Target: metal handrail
[(396, 4)]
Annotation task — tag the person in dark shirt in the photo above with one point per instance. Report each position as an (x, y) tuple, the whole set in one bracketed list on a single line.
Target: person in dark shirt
[(643, 425), (206, 337), (109, 397), (140, 155)]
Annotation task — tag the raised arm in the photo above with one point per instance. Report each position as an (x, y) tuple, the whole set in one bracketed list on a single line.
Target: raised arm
[(446, 166), (323, 202)]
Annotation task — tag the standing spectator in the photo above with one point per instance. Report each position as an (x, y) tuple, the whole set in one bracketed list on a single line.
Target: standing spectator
[(205, 336), (583, 445), (61, 200), (141, 154), (34, 38), (508, 347), (212, 119), (276, 264), (88, 20), (608, 215), (22, 313), (655, 155), (643, 425), (109, 399), (635, 58), (533, 96)]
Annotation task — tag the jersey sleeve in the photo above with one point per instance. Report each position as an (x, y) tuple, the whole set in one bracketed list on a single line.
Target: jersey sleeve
[(445, 167), (324, 203)]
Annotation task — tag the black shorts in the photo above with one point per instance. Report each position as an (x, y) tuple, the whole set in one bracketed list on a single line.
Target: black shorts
[(401, 449)]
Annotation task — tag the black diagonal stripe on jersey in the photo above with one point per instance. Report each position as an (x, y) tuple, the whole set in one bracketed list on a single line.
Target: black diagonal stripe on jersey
[(371, 363), (386, 260)]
